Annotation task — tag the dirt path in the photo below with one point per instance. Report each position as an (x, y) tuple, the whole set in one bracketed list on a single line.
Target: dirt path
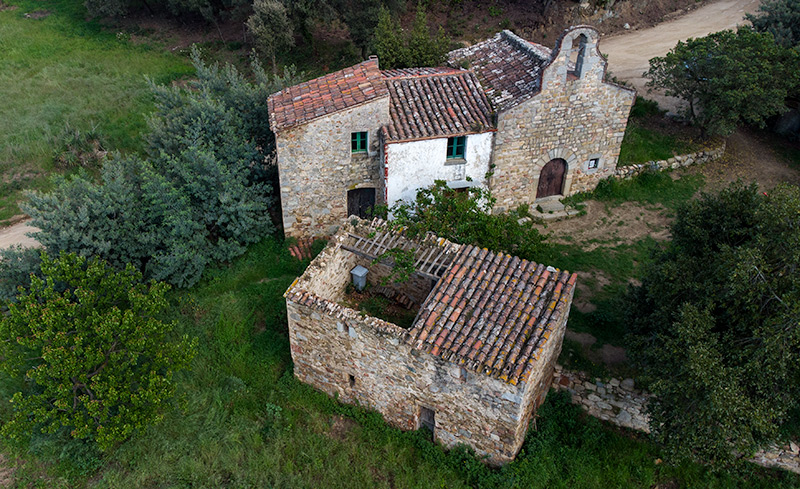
[(629, 53), (16, 234)]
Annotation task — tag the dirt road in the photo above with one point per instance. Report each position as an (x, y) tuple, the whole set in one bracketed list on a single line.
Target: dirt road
[(629, 53), (16, 235)]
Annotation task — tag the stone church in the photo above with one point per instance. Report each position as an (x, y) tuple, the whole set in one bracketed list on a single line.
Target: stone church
[(545, 121), (472, 367)]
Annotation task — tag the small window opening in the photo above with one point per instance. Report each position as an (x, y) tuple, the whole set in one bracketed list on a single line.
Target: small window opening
[(456, 146), (351, 380), (427, 418), (358, 142), (594, 163), (462, 374), (576, 56)]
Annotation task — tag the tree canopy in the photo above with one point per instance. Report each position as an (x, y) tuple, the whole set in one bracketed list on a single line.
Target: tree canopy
[(716, 324), (728, 78), (398, 49), (781, 18), (96, 358)]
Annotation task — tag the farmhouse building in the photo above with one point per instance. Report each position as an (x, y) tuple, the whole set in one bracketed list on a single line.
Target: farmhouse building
[(545, 121), (474, 364)]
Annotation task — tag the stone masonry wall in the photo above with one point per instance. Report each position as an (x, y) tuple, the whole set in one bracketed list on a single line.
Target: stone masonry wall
[(710, 153), (573, 119), (316, 167), (330, 343), (620, 403)]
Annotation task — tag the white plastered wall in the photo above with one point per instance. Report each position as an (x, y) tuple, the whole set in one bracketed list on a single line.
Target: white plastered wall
[(414, 165)]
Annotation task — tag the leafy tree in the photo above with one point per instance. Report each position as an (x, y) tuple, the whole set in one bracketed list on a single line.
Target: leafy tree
[(466, 217), (388, 40), (716, 324), (396, 49), (271, 28), (728, 78), (781, 18), (95, 356)]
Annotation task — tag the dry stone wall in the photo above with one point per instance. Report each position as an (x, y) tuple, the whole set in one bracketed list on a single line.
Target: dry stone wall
[(710, 153), (620, 403), (316, 167)]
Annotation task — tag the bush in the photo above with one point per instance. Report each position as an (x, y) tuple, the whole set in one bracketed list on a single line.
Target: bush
[(203, 196), (95, 359), (716, 323), (467, 218)]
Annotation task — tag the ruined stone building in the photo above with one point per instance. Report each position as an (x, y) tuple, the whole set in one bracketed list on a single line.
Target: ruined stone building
[(474, 364), (546, 119)]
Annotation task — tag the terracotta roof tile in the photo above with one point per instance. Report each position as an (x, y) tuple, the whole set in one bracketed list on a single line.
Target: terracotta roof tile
[(492, 313), (435, 102), (508, 67), (325, 95)]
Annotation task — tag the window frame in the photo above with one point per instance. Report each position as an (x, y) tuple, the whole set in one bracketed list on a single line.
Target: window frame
[(359, 142), (454, 143)]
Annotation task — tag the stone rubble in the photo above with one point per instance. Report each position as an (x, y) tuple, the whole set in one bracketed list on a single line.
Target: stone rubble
[(620, 403)]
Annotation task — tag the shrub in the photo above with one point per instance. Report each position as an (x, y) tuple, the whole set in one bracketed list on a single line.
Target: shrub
[(96, 359), (467, 218)]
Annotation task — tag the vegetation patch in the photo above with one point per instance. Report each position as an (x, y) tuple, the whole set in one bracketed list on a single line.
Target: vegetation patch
[(651, 137), (62, 70)]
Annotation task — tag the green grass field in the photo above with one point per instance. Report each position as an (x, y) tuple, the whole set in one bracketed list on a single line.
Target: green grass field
[(244, 421), (60, 69), (644, 141)]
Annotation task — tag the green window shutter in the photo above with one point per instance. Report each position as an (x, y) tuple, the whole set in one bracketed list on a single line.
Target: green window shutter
[(358, 142), (456, 146)]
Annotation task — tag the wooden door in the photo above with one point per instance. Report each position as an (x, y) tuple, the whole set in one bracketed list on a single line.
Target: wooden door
[(427, 418), (551, 179), (360, 201)]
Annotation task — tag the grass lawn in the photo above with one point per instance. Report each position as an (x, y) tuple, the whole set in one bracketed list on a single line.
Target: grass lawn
[(244, 421), (60, 69), (647, 140)]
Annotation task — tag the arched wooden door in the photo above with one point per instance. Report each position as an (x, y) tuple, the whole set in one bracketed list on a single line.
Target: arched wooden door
[(551, 179)]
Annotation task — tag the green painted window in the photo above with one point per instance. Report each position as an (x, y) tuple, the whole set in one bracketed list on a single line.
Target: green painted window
[(358, 142), (455, 147)]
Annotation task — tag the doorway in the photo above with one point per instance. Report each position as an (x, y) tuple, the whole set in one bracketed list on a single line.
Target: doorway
[(360, 202), (551, 178)]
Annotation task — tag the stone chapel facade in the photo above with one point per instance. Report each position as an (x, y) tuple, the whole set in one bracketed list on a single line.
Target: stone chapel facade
[(545, 119)]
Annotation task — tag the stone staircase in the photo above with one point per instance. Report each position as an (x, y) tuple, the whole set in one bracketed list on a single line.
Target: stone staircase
[(551, 209)]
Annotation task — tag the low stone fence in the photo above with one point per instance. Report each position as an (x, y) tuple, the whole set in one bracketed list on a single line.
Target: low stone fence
[(616, 401), (712, 152), (619, 402)]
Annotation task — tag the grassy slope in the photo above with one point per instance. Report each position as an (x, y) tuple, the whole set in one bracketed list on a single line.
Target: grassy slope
[(61, 69), (248, 423), (643, 143)]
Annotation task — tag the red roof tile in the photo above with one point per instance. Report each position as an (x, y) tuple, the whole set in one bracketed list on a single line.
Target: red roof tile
[(435, 102), (325, 95), (492, 313), (509, 67)]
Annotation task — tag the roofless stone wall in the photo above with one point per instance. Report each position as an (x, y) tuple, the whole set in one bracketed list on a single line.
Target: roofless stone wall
[(576, 117), (316, 167), (365, 360)]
